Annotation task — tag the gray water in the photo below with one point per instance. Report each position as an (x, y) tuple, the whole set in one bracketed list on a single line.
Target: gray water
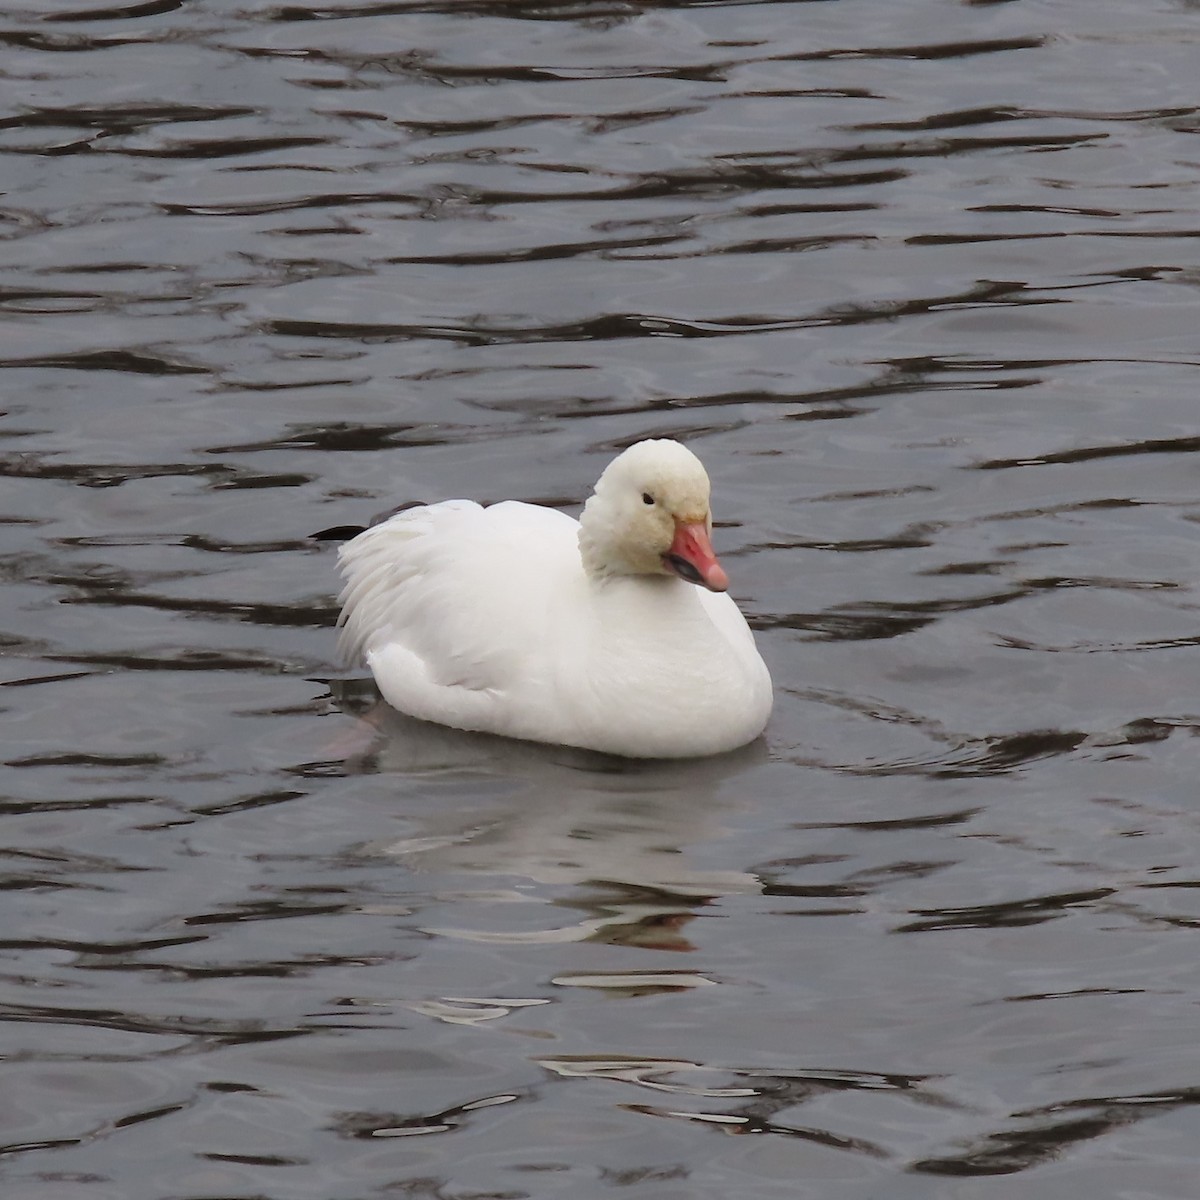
[(919, 282)]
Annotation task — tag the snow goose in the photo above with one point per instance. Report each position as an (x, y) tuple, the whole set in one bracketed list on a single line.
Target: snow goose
[(611, 633)]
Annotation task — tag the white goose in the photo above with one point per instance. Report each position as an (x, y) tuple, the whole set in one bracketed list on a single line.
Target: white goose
[(519, 620)]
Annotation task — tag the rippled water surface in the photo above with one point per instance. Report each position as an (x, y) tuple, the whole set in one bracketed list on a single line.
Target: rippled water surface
[(919, 282)]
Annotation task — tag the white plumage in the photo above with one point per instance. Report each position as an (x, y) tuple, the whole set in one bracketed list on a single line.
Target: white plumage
[(518, 620)]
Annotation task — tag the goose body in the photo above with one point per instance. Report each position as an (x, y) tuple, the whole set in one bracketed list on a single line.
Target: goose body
[(611, 633)]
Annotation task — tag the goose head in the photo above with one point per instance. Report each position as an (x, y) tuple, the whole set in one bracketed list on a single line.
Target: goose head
[(649, 515)]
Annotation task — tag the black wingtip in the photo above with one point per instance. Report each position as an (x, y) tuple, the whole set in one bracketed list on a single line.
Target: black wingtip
[(343, 533), (379, 518), (336, 533)]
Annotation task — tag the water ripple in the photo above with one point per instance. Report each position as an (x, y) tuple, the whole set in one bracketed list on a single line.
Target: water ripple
[(914, 281)]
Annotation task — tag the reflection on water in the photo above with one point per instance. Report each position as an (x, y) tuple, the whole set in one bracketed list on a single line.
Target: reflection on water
[(916, 282)]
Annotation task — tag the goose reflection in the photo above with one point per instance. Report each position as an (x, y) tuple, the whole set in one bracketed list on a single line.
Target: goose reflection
[(629, 840)]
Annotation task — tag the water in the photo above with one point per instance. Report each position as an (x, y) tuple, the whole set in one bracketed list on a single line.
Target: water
[(919, 283)]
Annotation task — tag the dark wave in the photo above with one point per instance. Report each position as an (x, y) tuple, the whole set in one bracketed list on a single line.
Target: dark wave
[(106, 475), (1055, 1131), (119, 119), (395, 1125), (1005, 914), (132, 362), (1187, 444), (118, 12)]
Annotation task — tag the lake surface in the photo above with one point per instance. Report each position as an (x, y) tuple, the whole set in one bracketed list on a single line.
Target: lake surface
[(920, 282)]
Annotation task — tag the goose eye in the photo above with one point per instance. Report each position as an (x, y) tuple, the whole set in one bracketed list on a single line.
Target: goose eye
[(647, 498)]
